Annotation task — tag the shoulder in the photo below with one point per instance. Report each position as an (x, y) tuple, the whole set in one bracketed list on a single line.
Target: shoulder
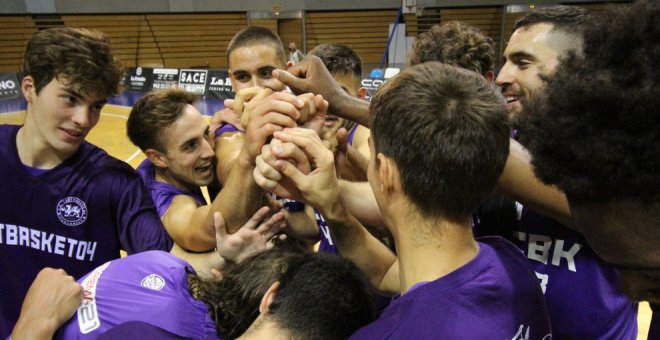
[(7, 132), (97, 158)]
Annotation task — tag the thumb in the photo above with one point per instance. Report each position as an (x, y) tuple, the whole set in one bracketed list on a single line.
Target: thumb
[(289, 170), (294, 83), (342, 139)]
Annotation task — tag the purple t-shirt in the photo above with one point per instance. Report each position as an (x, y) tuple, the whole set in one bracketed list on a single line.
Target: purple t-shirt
[(494, 296), (150, 287), (75, 216), (162, 193), (582, 292)]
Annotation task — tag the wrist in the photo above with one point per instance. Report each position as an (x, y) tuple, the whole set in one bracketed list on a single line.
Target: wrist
[(39, 328), (336, 212)]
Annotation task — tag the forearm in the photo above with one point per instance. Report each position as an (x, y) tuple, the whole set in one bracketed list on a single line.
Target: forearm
[(302, 225), (520, 183), (41, 329), (351, 108), (361, 202), (355, 243), (240, 196), (201, 262)]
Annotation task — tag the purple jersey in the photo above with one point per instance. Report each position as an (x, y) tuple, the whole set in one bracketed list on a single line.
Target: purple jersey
[(162, 193), (75, 216), (572, 275), (326, 243), (494, 296), (226, 128), (150, 287)]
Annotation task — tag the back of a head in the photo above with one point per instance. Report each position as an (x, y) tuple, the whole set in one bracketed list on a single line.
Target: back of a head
[(234, 301), (73, 56), (339, 59), (254, 35), (153, 112), (596, 133), (323, 296), (446, 128), (457, 44)]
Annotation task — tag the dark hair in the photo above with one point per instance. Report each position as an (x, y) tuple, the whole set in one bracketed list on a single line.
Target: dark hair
[(253, 35), (153, 112), (320, 296), (74, 56), (457, 44), (323, 296), (339, 59), (446, 128), (234, 301), (569, 19), (596, 134)]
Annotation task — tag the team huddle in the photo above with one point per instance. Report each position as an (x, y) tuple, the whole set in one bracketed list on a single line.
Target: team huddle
[(461, 202)]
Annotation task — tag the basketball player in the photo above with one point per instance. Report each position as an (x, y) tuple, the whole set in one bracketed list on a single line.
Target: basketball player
[(584, 296), (68, 203), (427, 182), (253, 54), (175, 138), (607, 165)]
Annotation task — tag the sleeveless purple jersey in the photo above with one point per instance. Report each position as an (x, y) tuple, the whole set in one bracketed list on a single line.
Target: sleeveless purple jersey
[(75, 216), (150, 287), (494, 296), (582, 292), (162, 194)]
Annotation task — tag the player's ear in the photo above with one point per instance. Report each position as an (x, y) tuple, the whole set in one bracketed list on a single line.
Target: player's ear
[(28, 88), (269, 297), (490, 75), (362, 93), (156, 157)]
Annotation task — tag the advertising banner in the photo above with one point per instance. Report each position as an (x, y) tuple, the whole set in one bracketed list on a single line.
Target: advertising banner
[(10, 86), (218, 86)]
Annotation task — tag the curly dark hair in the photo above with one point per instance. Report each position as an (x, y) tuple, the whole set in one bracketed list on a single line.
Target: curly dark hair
[(321, 296), (74, 56), (234, 301), (596, 135), (457, 44)]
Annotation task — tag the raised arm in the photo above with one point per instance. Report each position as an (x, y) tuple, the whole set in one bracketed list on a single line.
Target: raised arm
[(519, 182), (51, 300), (320, 188), (311, 75)]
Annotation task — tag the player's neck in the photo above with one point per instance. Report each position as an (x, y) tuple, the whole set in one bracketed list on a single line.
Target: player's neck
[(165, 177), (263, 328), (429, 249), (35, 152)]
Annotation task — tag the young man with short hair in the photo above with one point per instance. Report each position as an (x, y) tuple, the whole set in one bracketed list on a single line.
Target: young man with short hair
[(70, 205)]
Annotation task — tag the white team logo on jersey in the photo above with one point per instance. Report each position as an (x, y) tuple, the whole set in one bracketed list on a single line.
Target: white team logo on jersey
[(153, 281), (138, 71), (72, 211)]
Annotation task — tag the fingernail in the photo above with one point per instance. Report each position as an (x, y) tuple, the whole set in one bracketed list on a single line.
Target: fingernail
[(278, 149)]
